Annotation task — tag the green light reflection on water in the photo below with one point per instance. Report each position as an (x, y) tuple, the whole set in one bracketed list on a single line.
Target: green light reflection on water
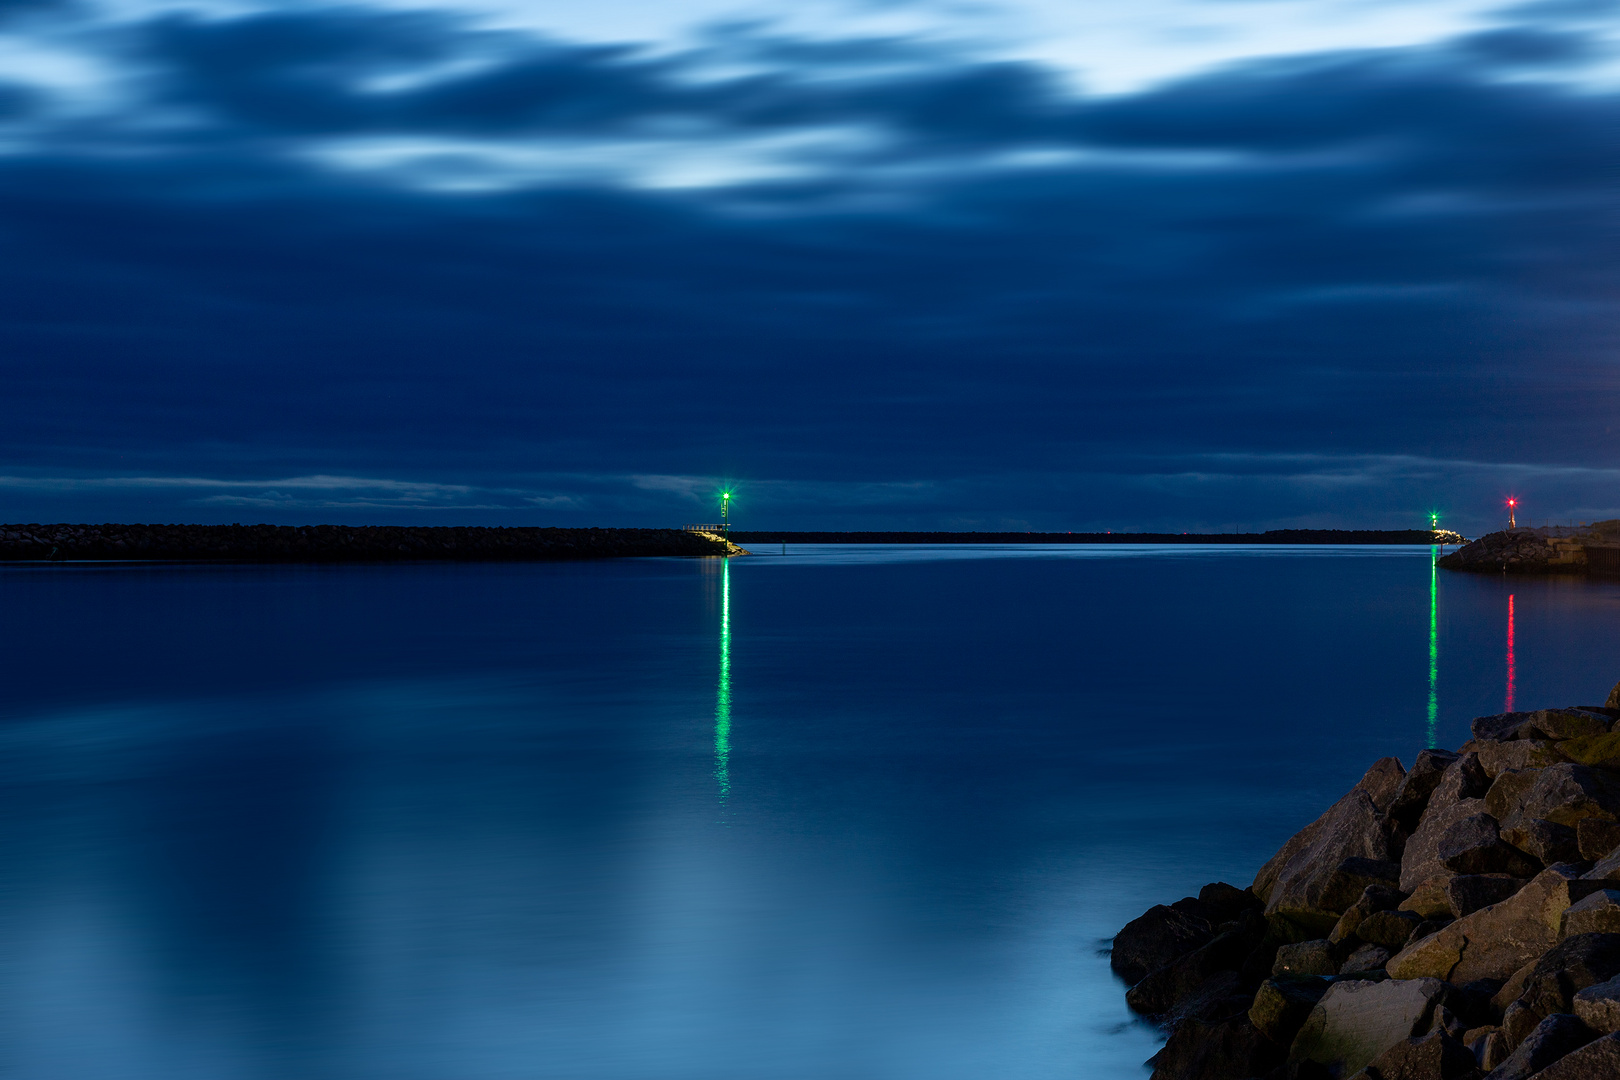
[(722, 698), (1434, 643)]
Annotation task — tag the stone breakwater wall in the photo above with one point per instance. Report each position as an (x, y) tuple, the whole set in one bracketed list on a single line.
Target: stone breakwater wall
[(1553, 549), (343, 543), (1452, 921)]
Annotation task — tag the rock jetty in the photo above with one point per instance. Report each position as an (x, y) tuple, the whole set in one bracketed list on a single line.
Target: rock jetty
[(1458, 920), (1552, 549), (344, 543)]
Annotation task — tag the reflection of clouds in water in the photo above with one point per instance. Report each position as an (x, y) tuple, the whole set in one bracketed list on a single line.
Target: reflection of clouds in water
[(339, 889), (954, 780)]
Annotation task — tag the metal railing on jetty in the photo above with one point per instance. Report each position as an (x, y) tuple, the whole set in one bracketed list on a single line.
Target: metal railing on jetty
[(720, 529)]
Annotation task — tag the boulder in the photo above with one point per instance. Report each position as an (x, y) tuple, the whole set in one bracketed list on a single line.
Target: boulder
[(1227, 902), (1430, 898), (1467, 893), (1494, 1050), (1506, 795), (1499, 727), (1200, 1050), (1513, 989), (1357, 1021), (1160, 991), (1435, 1056), (1390, 929), (1222, 996), (1217, 903), (1598, 1006), (1597, 1060), (1474, 845), (1518, 1021), (1552, 1039), (1600, 751), (1458, 795), (1283, 1002), (1575, 964), (1547, 841), (1364, 959), (1495, 941), (1425, 928), (1308, 879), (1567, 792), (1597, 838), (1497, 758), (1558, 724), (1351, 879), (1413, 796), (1374, 898), (1605, 869), (1613, 700), (1382, 782), (1158, 937), (1306, 958), (1595, 914)]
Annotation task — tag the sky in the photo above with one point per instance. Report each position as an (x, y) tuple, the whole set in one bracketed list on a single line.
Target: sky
[(1160, 264)]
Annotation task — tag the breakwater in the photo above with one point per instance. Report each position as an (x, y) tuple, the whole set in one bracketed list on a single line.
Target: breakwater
[(1275, 536), (1458, 919), (1556, 549), (344, 543)]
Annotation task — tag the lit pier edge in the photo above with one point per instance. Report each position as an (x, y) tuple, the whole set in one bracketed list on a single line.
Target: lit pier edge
[(719, 534)]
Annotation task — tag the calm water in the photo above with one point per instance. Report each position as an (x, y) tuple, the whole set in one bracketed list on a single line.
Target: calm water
[(852, 813)]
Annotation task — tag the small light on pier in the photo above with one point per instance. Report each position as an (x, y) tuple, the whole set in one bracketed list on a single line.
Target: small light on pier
[(1513, 506)]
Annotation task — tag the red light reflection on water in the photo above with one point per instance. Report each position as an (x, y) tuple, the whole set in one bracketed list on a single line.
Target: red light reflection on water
[(1509, 706)]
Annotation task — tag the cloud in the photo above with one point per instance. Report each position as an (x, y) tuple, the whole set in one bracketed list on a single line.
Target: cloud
[(1530, 47), (573, 279)]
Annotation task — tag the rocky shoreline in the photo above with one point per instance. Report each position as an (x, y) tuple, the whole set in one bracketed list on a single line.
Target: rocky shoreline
[(344, 543), (1455, 921), (1553, 549)]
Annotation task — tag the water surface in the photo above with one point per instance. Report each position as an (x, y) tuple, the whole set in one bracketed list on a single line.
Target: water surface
[(848, 813)]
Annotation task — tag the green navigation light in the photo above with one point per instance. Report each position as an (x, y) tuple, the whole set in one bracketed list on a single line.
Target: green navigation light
[(722, 700)]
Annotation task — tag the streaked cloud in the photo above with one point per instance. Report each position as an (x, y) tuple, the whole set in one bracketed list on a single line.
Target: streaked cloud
[(861, 267)]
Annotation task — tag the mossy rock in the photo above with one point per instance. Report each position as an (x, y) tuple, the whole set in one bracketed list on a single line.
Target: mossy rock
[(1282, 1004), (1601, 751)]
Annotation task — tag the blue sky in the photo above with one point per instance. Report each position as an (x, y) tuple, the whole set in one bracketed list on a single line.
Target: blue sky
[(1176, 264)]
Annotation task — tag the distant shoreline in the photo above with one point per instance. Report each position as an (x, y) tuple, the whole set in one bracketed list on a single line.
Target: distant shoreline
[(1275, 536), (342, 543), (403, 543)]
